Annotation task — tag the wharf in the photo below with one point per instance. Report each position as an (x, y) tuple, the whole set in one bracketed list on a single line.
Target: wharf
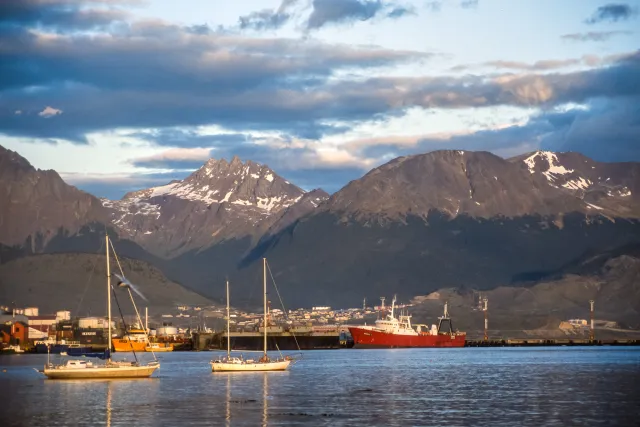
[(549, 343), (281, 340)]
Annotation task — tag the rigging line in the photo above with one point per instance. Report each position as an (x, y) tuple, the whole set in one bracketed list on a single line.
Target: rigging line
[(134, 304), (86, 286), (282, 303), (124, 322)]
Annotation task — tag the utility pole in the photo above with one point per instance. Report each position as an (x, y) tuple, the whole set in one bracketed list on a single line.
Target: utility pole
[(486, 320), (591, 331)]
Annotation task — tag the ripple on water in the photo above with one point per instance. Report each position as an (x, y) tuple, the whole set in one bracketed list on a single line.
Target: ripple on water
[(542, 386)]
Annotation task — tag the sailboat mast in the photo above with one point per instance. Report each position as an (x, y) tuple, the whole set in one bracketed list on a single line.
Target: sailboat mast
[(108, 295), (264, 281), (228, 322)]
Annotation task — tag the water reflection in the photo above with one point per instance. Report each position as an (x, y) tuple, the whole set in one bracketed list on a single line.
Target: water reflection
[(109, 404), (228, 412), (360, 387), (265, 418)]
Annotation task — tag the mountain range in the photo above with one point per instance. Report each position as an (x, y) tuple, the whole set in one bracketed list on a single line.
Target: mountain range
[(469, 220)]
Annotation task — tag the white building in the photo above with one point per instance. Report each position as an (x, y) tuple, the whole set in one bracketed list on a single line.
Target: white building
[(31, 311), (63, 315)]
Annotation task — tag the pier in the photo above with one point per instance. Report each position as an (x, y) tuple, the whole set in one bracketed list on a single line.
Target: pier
[(550, 342)]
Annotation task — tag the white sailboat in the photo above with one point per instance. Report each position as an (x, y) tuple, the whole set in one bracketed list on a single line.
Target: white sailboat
[(237, 364), (83, 369)]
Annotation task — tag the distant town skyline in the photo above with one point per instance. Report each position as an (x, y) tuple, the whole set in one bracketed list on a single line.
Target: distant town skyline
[(118, 95)]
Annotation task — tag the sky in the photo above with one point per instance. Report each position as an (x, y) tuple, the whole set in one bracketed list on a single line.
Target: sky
[(119, 95)]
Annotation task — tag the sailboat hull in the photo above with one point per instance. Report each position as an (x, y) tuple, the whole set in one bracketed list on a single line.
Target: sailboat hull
[(250, 367), (100, 372)]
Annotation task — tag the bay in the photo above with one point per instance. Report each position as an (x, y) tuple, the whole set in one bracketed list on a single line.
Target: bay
[(401, 387)]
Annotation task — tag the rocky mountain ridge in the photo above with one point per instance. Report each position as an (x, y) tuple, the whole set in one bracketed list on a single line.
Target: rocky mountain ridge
[(221, 200), (36, 204), (483, 185), (414, 225)]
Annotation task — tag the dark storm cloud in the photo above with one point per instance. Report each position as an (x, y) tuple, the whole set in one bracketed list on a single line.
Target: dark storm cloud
[(594, 36), (612, 12), (326, 12), (268, 19)]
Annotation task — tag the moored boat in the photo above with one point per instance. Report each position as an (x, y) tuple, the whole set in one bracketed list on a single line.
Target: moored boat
[(84, 369), (392, 332), (240, 364)]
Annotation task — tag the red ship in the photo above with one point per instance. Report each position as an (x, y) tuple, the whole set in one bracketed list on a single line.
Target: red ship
[(392, 332)]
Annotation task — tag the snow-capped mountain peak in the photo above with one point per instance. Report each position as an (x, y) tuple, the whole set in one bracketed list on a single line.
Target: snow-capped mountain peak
[(221, 199)]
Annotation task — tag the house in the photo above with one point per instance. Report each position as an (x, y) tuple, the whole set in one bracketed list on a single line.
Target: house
[(14, 333)]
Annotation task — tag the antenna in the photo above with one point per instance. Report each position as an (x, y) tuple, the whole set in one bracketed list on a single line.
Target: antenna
[(591, 331), (486, 319)]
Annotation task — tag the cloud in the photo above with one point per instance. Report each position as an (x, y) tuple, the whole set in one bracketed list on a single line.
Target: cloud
[(194, 78), (545, 64), (469, 4), (268, 19), (612, 12), (288, 107), (49, 112), (607, 130), (594, 36), (346, 11), (188, 138), (114, 186), (62, 15), (176, 158)]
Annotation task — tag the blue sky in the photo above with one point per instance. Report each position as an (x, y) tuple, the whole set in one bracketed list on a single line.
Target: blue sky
[(118, 95)]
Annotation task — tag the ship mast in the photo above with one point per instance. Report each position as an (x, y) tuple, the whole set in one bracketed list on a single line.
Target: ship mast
[(228, 329), (108, 295), (264, 280), (393, 306)]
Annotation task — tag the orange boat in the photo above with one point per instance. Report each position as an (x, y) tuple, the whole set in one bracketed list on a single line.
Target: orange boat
[(136, 340)]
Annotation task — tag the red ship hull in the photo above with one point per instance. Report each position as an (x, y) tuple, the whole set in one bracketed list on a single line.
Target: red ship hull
[(367, 338)]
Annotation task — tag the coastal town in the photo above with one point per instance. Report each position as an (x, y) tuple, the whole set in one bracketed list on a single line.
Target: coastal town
[(23, 329)]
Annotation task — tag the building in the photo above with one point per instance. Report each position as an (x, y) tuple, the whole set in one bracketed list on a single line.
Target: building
[(14, 333), (40, 332), (31, 311), (49, 320), (63, 315)]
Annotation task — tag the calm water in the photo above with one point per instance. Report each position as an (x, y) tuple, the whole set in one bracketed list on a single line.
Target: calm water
[(470, 386)]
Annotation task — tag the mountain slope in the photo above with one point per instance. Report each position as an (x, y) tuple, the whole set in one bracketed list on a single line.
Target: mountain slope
[(613, 284), (607, 188), (481, 184), (77, 282), (35, 204), (221, 200), (451, 218)]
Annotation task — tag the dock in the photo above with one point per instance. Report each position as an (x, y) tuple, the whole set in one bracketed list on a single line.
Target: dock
[(550, 342)]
